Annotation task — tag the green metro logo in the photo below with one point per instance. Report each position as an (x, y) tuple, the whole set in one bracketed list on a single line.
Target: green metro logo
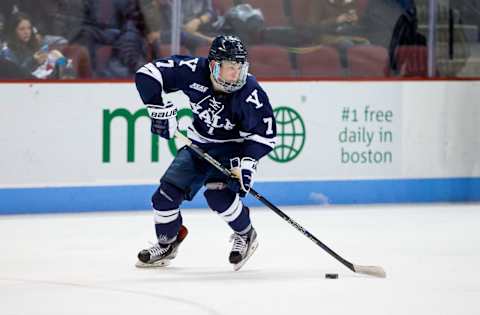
[(290, 133), (131, 120)]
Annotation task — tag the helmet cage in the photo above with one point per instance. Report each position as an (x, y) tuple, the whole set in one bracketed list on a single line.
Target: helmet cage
[(229, 86)]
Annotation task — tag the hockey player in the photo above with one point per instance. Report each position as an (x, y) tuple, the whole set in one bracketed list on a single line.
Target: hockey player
[(232, 121)]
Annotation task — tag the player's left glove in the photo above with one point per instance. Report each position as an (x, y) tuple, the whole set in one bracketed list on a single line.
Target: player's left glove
[(244, 170), (164, 119)]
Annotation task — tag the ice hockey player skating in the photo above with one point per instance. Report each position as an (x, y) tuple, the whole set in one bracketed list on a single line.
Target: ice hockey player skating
[(232, 121)]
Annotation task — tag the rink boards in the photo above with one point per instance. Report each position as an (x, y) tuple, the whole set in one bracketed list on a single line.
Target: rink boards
[(87, 147)]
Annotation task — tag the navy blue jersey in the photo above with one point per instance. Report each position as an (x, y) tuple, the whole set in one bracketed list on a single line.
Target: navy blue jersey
[(244, 116)]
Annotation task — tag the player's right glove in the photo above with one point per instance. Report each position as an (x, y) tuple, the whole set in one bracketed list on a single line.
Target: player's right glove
[(164, 119), (243, 170)]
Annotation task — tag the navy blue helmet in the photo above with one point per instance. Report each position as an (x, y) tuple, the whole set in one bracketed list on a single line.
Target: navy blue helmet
[(228, 49)]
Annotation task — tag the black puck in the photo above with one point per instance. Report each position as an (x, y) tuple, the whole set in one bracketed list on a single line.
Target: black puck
[(331, 275)]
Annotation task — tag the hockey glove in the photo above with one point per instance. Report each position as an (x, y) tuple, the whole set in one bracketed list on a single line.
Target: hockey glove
[(244, 170), (164, 119)]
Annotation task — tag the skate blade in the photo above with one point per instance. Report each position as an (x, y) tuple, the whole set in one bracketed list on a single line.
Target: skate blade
[(157, 264), (236, 267)]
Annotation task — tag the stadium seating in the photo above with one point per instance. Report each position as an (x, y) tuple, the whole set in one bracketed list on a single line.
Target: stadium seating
[(103, 52), (265, 61), (202, 51), (300, 9), (412, 61), (367, 60), (102, 56), (321, 62), (166, 50), (80, 60), (269, 61)]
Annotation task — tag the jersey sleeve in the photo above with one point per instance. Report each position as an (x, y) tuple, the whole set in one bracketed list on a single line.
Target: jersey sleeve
[(258, 127), (164, 76)]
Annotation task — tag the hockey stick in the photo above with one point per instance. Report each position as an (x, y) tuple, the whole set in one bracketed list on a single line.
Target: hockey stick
[(375, 271)]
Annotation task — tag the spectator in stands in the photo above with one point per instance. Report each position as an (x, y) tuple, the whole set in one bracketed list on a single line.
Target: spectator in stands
[(327, 16), (7, 8), (56, 22), (117, 24), (22, 47), (50, 17), (197, 18), (331, 22), (9, 69)]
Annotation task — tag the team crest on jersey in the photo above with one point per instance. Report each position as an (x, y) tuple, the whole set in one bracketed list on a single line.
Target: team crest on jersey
[(211, 115), (198, 87)]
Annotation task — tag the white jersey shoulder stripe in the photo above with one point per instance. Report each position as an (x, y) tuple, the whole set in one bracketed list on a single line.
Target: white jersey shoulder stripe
[(257, 138), (150, 70)]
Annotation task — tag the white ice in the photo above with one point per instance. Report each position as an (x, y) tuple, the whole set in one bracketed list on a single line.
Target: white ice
[(84, 264)]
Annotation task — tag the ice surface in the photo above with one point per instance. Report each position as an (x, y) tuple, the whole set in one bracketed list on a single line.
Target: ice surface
[(84, 264)]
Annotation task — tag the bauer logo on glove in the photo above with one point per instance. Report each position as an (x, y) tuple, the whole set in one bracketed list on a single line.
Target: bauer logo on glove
[(164, 119), (160, 112)]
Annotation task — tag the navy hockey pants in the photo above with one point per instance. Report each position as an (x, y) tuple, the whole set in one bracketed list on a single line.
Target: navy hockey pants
[(183, 179)]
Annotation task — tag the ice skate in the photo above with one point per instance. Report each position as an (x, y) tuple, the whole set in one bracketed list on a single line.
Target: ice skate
[(160, 255), (243, 247)]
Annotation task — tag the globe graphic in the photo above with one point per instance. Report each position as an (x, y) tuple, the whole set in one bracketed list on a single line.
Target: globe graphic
[(290, 135)]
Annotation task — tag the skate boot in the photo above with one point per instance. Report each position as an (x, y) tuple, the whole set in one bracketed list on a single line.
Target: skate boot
[(243, 247), (160, 255)]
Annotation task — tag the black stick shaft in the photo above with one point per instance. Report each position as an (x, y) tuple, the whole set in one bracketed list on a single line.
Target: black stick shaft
[(300, 228), (262, 199)]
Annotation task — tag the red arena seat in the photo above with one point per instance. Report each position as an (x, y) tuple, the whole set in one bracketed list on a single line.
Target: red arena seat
[(166, 50), (202, 51), (321, 62), (269, 61), (368, 60), (300, 10), (412, 61), (102, 54)]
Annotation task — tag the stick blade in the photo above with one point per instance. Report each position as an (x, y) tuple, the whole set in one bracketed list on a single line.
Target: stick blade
[(371, 271)]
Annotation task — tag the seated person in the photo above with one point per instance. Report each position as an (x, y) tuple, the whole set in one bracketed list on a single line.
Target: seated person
[(116, 25), (56, 23), (198, 17), (24, 49), (331, 22)]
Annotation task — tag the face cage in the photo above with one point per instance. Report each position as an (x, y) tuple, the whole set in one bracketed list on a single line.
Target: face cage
[(230, 87)]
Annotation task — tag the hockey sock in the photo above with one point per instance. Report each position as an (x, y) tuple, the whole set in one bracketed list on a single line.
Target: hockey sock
[(166, 202), (230, 208)]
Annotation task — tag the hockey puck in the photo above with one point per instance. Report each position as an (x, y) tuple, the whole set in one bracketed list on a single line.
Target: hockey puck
[(331, 275)]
